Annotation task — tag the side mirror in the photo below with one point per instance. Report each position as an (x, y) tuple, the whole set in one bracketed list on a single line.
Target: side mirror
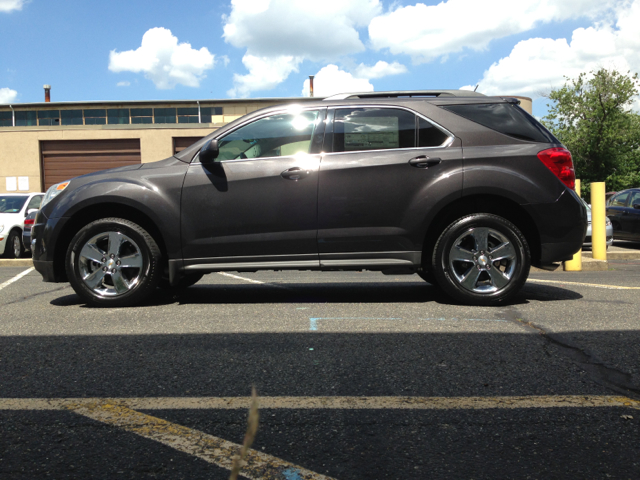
[(209, 151), (636, 205)]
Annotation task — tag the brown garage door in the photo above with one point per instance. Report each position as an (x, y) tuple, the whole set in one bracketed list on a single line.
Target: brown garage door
[(180, 143), (65, 159)]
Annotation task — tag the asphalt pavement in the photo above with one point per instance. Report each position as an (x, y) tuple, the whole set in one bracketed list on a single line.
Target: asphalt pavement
[(358, 376)]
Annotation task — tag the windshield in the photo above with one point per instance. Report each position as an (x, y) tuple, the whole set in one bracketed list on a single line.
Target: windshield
[(12, 203)]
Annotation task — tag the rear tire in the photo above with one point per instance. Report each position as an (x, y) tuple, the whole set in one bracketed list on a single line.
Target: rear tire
[(113, 262), (481, 259), (14, 248)]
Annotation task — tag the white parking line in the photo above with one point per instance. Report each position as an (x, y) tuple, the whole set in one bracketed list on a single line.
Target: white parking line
[(241, 278), (16, 278)]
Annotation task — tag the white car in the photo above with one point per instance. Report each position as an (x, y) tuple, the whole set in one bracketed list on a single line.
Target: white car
[(14, 207)]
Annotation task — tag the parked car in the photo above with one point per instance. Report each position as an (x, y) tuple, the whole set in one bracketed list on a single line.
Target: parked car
[(608, 229), (29, 220), (14, 207), (624, 211), (467, 191)]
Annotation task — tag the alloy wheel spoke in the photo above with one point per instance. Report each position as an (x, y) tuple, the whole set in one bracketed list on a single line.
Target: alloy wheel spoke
[(471, 278), (115, 242), (481, 237), (92, 252), (504, 251), (497, 278), (94, 279), (119, 282), (131, 261), (460, 254)]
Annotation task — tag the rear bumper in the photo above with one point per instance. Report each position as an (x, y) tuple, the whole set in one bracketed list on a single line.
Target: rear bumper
[(562, 226)]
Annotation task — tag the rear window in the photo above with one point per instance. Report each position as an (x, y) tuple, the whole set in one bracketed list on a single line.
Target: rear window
[(505, 118)]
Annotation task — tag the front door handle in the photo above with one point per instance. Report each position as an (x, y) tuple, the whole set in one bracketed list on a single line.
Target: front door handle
[(424, 162), (294, 173)]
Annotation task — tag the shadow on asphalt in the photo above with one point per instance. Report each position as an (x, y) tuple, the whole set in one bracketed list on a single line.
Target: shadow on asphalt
[(324, 293)]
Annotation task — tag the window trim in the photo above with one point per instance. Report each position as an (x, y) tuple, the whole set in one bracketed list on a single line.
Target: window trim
[(331, 114)]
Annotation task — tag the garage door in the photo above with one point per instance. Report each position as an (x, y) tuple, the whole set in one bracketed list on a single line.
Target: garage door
[(180, 143), (65, 159)]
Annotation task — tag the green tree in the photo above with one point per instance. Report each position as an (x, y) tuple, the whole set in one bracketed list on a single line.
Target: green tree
[(592, 117)]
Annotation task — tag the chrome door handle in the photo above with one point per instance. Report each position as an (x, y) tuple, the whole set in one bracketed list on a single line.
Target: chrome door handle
[(294, 173), (424, 162)]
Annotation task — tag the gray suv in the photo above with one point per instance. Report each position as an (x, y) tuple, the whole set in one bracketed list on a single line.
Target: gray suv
[(465, 190)]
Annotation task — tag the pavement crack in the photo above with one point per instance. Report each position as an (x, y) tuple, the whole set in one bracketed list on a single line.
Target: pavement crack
[(605, 375)]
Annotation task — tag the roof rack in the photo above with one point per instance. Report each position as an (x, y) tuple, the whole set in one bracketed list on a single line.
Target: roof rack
[(406, 94)]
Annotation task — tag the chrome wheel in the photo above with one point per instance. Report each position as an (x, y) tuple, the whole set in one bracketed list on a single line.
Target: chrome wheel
[(17, 247), (482, 260), (110, 264)]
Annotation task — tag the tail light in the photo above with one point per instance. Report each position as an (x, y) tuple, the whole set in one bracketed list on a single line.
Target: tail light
[(558, 160), (29, 223)]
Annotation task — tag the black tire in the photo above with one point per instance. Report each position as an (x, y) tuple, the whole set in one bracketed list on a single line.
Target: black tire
[(113, 262), (14, 248), (428, 277), (185, 282), (481, 272)]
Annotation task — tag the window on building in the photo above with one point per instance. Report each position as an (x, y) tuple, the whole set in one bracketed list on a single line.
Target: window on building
[(71, 117), (188, 115), (26, 119), (96, 116), (207, 112), (118, 116), (6, 119), (141, 115), (164, 115), (48, 117)]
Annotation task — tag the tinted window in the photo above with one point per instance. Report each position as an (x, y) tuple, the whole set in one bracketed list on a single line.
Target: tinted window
[(71, 117), (164, 115), (49, 117), (429, 135), (278, 135), (373, 129), (118, 116), (635, 198), (12, 203), (35, 202), (6, 119), (24, 119), (505, 118), (620, 200)]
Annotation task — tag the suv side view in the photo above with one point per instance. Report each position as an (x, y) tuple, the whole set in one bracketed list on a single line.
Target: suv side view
[(465, 190)]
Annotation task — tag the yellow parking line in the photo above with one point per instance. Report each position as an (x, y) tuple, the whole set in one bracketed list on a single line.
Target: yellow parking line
[(211, 449), (331, 403), (595, 285)]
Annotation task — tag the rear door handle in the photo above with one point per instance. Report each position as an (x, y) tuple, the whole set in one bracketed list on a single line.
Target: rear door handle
[(294, 173), (424, 162)]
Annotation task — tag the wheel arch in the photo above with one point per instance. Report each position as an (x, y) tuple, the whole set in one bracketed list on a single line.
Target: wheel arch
[(95, 212), (481, 203)]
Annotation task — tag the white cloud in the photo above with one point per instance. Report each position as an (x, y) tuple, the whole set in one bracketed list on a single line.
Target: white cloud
[(10, 5), (265, 73), (294, 30), (330, 80), (428, 32), (164, 61), (540, 64), (123, 84), (379, 70), (8, 95)]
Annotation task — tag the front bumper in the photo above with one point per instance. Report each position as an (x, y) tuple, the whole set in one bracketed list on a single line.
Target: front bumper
[(46, 232)]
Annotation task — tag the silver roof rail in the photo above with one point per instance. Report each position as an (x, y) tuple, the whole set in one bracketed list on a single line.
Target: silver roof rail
[(407, 94)]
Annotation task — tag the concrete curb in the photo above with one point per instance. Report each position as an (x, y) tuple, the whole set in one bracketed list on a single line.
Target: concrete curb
[(592, 265), (623, 255), (16, 262)]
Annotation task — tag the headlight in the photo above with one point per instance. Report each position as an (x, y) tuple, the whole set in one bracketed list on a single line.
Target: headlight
[(608, 222), (1, 228), (53, 192)]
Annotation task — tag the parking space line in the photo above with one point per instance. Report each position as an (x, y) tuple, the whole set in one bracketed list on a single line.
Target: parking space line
[(595, 285), (16, 278), (330, 403), (241, 278), (211, 449)]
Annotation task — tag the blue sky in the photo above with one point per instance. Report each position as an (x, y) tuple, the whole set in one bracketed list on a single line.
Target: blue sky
[(197, 49)]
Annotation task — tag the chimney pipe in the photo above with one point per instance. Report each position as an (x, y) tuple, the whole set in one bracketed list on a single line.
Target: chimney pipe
[(311, 85), (47, 93)]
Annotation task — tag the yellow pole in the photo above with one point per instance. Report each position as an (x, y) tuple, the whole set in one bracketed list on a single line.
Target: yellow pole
[(598, 226), (575, 265)]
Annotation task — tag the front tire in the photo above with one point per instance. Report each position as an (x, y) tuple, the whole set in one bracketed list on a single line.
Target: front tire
[(481, 259), (14, 248), (113, 262)]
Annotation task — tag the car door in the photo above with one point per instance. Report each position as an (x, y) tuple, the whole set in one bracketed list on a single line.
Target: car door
[(257, 202), (633, 215), (384, 168), (618, 213)]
